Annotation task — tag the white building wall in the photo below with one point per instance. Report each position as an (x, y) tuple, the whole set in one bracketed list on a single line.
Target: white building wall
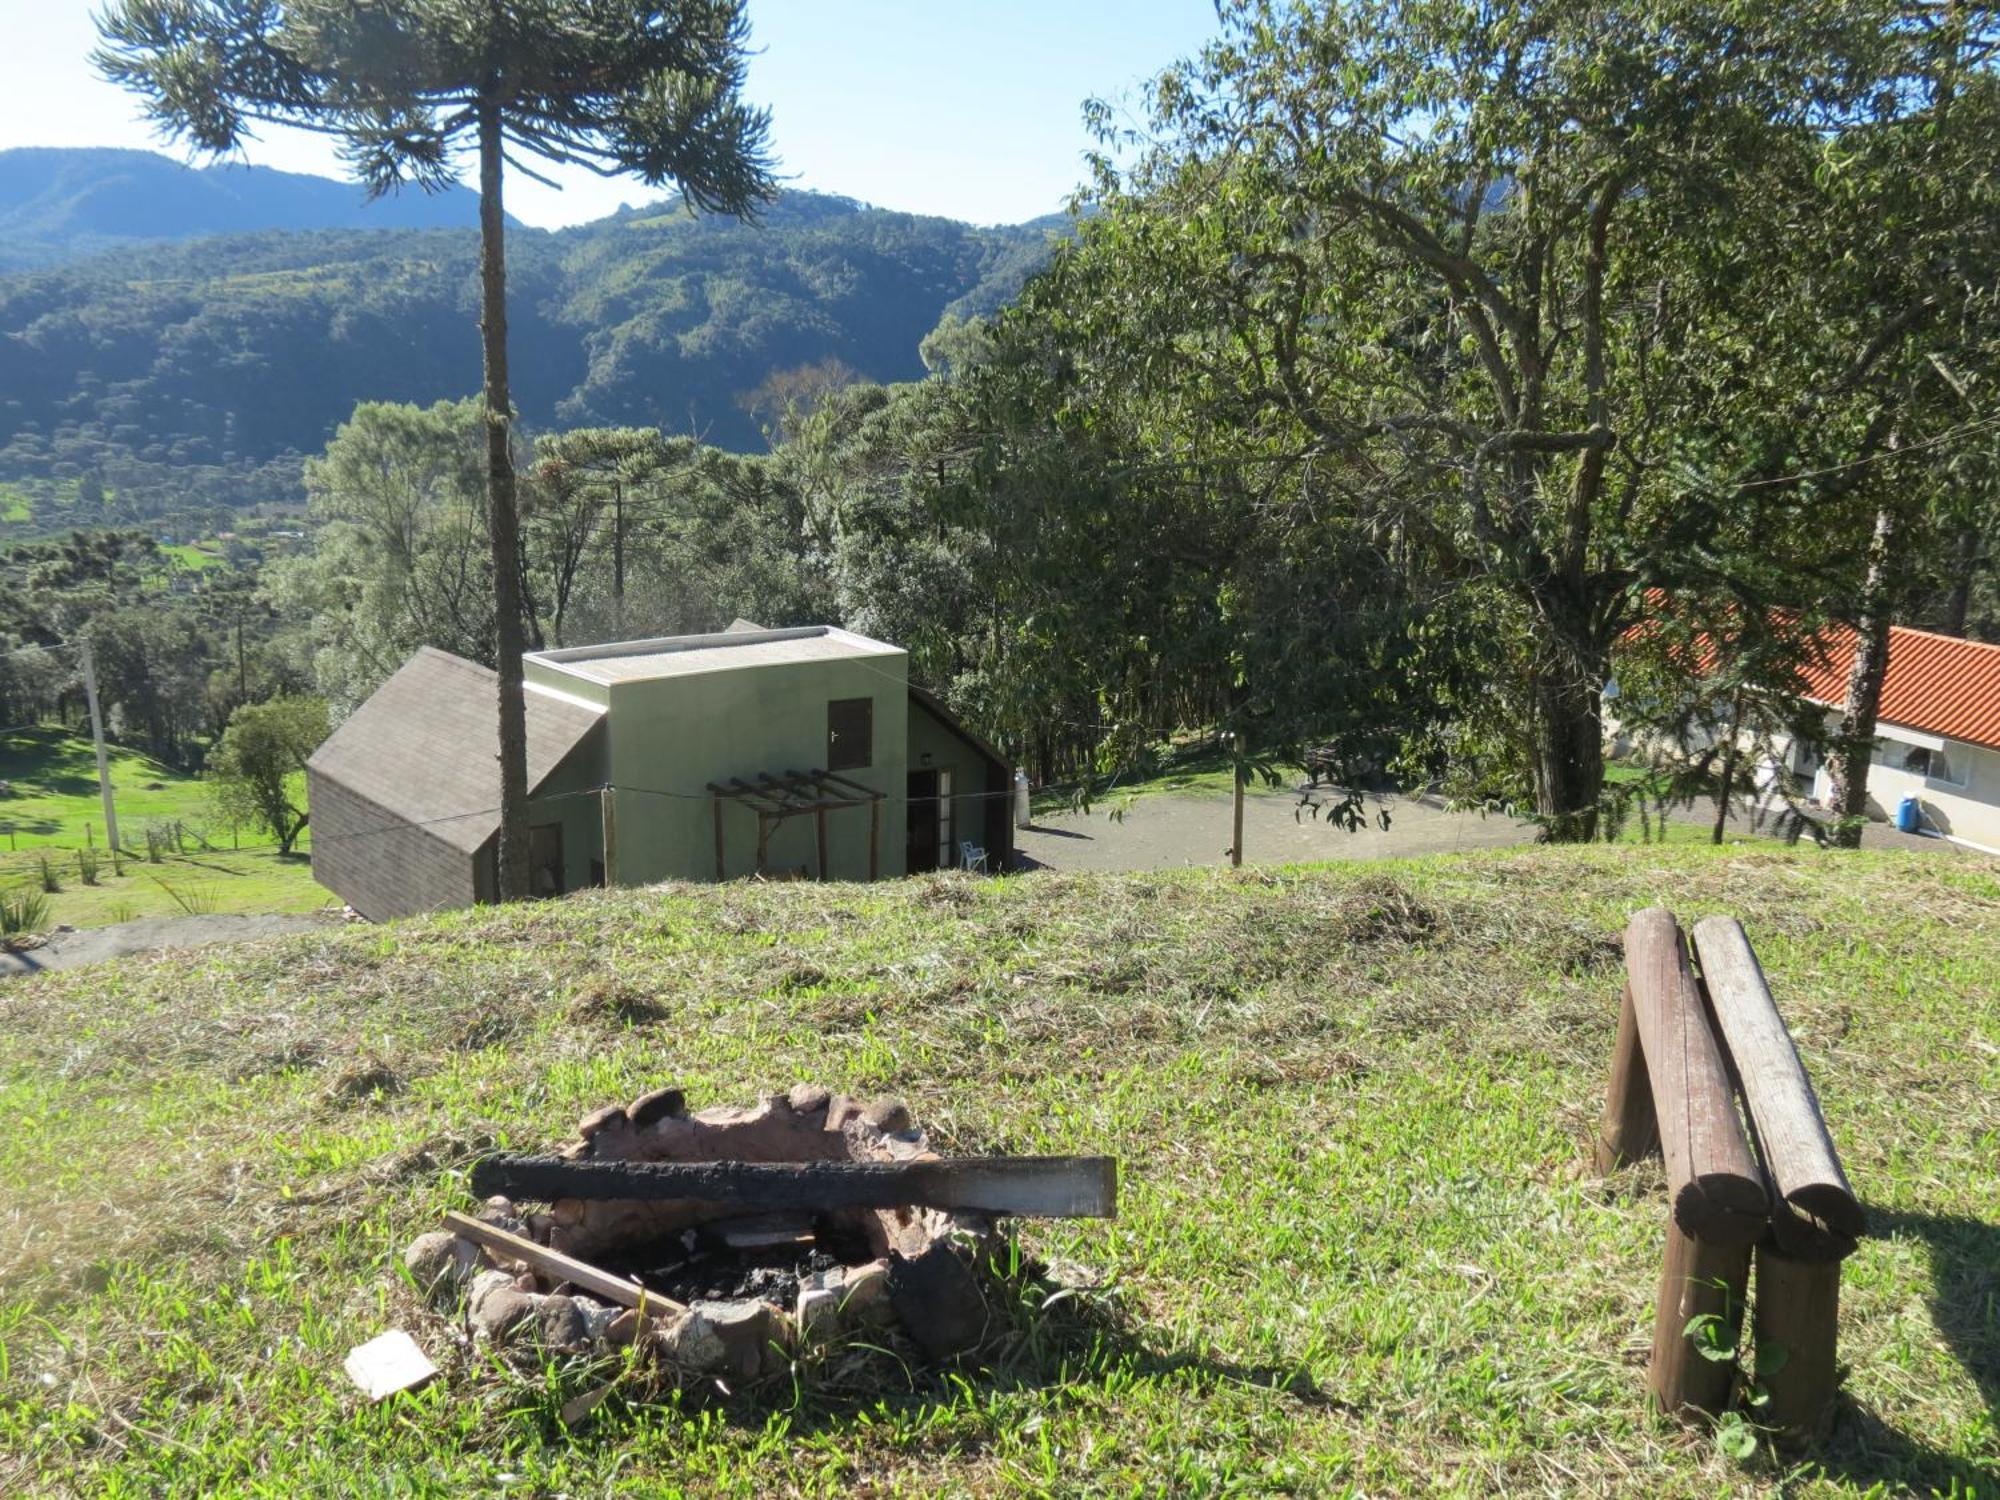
[(1964, 801)]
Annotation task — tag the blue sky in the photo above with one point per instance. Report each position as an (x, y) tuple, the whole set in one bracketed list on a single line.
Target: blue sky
[(955, 107)]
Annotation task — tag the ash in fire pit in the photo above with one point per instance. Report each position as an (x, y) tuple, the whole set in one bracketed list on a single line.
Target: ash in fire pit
[(731, 1241)]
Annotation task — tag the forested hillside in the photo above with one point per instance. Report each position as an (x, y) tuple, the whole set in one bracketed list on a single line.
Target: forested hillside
[(233, 351), (59, 205)]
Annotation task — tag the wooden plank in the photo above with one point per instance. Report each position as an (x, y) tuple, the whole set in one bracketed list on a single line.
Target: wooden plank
[(1050, 1187), (1815, 1215), (1797, 1320), (1629, 1131), (819, 829), (875, 839), (554, 1263), (607, 802), (383, 1366), (1717, 1187), (1697, 1279)]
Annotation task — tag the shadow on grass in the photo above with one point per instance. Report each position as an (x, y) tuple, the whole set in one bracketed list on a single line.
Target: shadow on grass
[(1965, 1305), (1042, 1336)]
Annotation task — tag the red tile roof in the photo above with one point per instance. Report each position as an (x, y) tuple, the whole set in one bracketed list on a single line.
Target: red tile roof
[(1937, 683)]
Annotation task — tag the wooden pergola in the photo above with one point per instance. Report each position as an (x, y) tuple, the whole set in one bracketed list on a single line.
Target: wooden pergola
[(795, 794)]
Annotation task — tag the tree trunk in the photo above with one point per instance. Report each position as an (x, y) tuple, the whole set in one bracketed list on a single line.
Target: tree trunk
[(503, 522), (1855, 744), (1569, 754), (1729, 752), (1959, 605)]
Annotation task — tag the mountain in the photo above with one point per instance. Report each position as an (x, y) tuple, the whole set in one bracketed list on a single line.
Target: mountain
[(235, 350), (59, 205)]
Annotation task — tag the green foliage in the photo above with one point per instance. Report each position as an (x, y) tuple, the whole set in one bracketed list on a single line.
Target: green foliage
[(51, 881), (23, 910), (254, 769), (86, 866), (277, 337)]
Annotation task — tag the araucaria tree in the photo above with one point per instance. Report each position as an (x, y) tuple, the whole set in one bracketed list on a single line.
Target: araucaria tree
[(408, 88)]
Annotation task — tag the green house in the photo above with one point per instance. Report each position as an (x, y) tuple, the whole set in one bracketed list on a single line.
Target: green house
[(787, 754)]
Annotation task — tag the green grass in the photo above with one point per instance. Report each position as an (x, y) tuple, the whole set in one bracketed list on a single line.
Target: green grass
[(1356, 1253), (53, 807), (190, 557), (16, 509)]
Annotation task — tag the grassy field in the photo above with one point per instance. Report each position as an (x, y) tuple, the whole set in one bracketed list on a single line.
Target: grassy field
[(1357, 1250), (53, 806)]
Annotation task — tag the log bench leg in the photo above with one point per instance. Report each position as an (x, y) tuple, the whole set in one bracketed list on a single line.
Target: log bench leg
[(1630, 1130), (1695, 1278), (1798, 1311)]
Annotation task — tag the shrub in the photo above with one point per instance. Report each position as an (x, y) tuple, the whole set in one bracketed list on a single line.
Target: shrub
[(51, 882), (86, 865), (24, 910)]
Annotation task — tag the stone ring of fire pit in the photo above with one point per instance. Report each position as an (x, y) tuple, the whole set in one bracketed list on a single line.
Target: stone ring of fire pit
[(741, 1295)]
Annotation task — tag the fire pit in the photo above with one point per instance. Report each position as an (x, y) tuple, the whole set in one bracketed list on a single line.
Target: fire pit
[(729, 1242)]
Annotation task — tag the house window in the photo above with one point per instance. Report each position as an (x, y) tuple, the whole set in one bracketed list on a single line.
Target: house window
[(1932, 765), (850, 734)]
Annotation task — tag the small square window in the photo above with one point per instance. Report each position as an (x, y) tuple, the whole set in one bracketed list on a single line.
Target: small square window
[(850, 734)]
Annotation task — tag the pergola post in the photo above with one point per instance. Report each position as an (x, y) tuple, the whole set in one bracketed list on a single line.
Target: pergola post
[(716, 803), (819, 819)]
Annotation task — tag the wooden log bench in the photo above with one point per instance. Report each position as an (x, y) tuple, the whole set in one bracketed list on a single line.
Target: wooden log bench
[(1688, 1045)]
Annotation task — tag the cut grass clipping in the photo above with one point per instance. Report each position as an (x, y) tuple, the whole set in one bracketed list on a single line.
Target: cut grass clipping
[(1358, 1251)]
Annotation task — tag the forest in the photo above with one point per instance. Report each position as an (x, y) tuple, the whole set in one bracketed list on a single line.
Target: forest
[(1418, 379)]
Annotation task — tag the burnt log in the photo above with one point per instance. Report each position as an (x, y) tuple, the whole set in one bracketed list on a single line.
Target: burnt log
[(1031, 1186)]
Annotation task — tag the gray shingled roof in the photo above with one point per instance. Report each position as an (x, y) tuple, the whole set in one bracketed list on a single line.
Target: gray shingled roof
[(426, 746)]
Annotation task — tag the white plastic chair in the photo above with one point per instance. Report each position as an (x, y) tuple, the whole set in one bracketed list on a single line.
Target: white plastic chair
[(972, 857)]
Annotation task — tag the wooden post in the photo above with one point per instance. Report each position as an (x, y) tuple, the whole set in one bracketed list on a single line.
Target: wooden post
[(719, 876), (607, 806), (1236, 840), (1630, 1130), (763, 841), (1717, 1187), (819, 829), (874, 839), (1816, 1215), (1797, 1317), (97, 739), (1696, 1279)]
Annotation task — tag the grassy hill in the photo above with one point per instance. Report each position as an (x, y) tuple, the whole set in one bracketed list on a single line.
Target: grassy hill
[(51, 810), (1357, 1251)]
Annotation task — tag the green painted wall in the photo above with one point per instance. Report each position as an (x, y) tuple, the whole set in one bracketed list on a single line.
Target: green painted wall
[(971, 777), (668, 737)]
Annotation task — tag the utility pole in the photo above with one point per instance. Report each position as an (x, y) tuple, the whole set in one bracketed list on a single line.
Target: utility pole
[(97, 736)]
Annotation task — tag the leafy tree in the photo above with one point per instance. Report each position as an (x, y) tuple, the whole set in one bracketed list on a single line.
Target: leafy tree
[(1518, 294), (613, 85), (254, 767)]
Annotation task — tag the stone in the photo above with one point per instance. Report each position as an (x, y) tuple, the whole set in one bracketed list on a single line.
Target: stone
[(807, 1099), (817, 1314), (886, 1115), (746, 1329), (938, 1299), (841, 1110), (441, 1263), (609, 1118), (689, 1342), (497, 1307), (625, 1327), (598, 1318), (864, 1292), (563, 1326), (657, 1105), (577, 1409)]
